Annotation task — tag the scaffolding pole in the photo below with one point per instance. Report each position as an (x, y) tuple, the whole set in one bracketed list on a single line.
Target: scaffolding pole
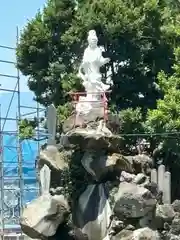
[(20, 168), (17, 148), (2, 180), (4, 120)]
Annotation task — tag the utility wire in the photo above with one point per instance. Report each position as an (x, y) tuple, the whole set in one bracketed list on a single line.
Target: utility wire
[(149, 134)]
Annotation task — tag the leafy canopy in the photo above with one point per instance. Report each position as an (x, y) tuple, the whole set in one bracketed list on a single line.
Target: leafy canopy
[(166, 117), (140, 37), (134, 35)]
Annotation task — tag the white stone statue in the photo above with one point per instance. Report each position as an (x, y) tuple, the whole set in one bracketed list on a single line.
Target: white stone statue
[(89, 72)]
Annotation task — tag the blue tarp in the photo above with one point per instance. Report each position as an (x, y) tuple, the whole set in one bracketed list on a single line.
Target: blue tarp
[(11, 172)]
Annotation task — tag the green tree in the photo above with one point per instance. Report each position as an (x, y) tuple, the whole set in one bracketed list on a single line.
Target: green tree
[(43, 56), (138, 36), (166, 117), (134, 37), (165, 120)]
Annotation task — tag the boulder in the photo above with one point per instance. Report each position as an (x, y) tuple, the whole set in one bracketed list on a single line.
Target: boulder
[(164, 213), (43, 215), (116, 226), (119, 163), (142, 163), (175, 226), (124, 235), (57, 160), (133, 201), (147, 220), (139, 178), (88, 138), (176, 205), (145, 233), (53, 158), (170, 236), (125, 176), (153, 188), (102, 164), (91, 118), (69, 232), (130, 227), (56, 191)]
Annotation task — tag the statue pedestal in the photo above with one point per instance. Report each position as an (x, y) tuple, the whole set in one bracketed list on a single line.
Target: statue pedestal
[(85, 104)]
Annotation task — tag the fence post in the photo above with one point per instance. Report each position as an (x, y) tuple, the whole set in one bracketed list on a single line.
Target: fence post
[(45, 178), (51, 124)]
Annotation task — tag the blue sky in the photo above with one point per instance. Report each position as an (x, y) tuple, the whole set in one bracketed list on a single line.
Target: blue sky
[(14, 13)]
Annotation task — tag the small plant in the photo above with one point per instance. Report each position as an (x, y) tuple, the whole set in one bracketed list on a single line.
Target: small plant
[(27, 128)]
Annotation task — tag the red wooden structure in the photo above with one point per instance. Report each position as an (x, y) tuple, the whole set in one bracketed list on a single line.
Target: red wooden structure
[(104, 100)]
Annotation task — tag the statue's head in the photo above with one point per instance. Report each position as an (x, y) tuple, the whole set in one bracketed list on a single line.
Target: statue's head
[(92, 38)]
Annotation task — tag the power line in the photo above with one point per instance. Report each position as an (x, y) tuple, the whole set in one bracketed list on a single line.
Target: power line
[(148, 134)]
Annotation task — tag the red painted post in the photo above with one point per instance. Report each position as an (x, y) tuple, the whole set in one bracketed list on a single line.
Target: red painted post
[(75, 96)]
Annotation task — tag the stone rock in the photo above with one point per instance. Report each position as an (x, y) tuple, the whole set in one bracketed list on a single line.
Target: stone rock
[(91, 119), (43, 215), (170, 236), (78, 234), (147, 220), (83, 120), (116, 226), (102, 164), (126, 177), (133, 201), (112, 190), (119, 163), (166, 226), (164, 213), (130, 227), (56, 160), (139, 178), (53, 158), (145, 183), (174, 237), (142, 164), (176, 205), (124, 235), (87, 138), (56, 191), (175, 226), (146, 233), (152, 187), (69, 232)]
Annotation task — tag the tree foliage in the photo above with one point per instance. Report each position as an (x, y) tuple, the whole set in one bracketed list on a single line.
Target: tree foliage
[(140, 37), (27, 128), (44, 57), (165, 118), (134, 35)]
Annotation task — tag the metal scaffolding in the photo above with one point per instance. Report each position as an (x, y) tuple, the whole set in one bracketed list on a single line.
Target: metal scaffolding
[(16, 188)]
